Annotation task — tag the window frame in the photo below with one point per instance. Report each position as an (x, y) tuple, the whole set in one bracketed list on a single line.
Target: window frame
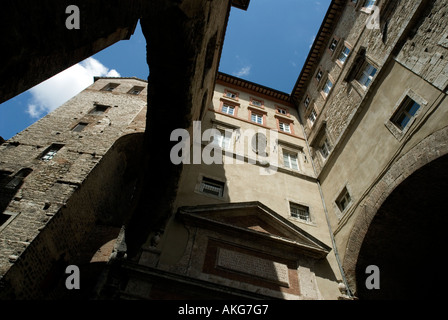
[(212, 183), (261, 102), (289, 154), (229, 102), (312, 112), (234, 93), (343, 195), (111, 86), (259, 113), (17, 180), (302, 208), (95, 112), (325, 94), (405, 110), (133, 89), (340, 53), (229, 107), (50, 152), (307, 101), (364, 73), (325, 148), (409, 94), (83, 125), (285, 125), (319, 75)]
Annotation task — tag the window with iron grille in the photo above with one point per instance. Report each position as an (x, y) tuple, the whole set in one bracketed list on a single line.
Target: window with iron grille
[(212, 187), (300, 212)]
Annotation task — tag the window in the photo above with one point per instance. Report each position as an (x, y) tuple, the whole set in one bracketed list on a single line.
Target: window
[(333, 45), (212, 187), (343, 200), (367, 74), (79, 127), (282, 111), (285, 127), (257, 118), (17, 181), (290, 160), (369, 3), (231, 94), (344, 55), (405, 113), (319, 75), (327, 87), (99, 109), (325, 149), (312, 117), (222, 140), (110, 87), (227, 109), (136, 90), (299, 212), (51, 152), (257, 103), (307, 102)]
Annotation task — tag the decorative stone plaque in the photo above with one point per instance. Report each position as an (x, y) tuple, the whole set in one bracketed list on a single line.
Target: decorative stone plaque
[(254, 266)]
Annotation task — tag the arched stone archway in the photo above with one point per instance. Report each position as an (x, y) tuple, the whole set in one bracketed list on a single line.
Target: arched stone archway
[(400, 218)]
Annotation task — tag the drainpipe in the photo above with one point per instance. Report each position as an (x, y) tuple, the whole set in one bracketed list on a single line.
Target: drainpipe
[(344, 279)]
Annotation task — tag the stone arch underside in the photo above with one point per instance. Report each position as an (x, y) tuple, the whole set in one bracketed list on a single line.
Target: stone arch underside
[(387, 218)]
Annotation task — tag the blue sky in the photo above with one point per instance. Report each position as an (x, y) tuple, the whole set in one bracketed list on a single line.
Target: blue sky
[(267, 44)]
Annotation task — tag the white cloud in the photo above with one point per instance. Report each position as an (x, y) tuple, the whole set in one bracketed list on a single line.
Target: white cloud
[(312, 41), (50, 94), (244, 71)]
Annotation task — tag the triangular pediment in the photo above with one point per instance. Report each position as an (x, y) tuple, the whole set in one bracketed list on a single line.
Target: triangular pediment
[(253, 219)]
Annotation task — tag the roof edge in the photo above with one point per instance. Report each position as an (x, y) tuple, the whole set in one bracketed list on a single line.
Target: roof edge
[(330, 20), (132, 78)]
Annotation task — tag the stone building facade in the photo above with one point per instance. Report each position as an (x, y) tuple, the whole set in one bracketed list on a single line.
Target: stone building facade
[(287, 196), (373, 103), (65, 179)]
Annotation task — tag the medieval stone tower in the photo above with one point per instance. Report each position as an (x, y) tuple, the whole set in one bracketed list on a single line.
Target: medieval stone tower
[(247, 192)]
